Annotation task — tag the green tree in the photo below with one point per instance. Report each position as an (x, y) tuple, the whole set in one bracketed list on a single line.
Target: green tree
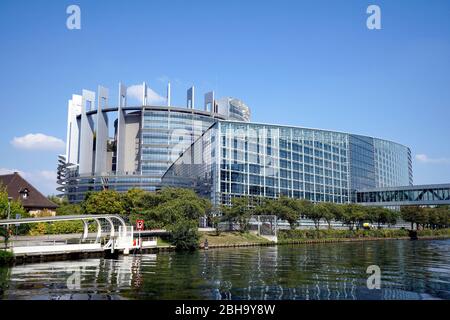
[(444, 216), (165, 207), (103, 202), (423, 217), (330, 212), (215, 220), (14, 205), (304, 207), (381, 215), (283, 207), (240, 212), (69, 209), (317, 213), (58, 200), (184, 234), (354, 215), (133, 200), (413, 214)]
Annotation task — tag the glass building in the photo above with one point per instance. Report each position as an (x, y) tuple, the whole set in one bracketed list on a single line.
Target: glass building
[(217, 151), (233, 159), (141, 144)]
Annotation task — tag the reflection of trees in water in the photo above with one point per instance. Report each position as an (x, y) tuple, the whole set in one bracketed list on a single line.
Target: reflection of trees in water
[(322, 271), (410, 270), (4, 280), (173, 276)]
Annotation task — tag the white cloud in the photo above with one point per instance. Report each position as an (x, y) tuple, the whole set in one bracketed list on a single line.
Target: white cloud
[(38, 141), (423, 158), (43, 180), (8, 171), (135, 92), (163, 79)]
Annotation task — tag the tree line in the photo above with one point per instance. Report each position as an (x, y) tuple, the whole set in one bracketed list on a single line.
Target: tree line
[(179, 210), (352, 215), (164, 208)]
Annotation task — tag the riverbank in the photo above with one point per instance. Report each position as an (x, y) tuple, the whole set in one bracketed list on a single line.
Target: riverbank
[(238, 239), (332, 234)]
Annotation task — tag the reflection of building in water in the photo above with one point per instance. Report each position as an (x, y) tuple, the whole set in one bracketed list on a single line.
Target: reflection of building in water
[(96, 276), (265, 274)]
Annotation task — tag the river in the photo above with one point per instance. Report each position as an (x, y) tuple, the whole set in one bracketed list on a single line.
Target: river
[(409, 270)]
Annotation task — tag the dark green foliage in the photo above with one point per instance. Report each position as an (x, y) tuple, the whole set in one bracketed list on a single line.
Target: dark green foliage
[(285, 209), (184, 234), (15, 206), (240, 211), (60, 227), (6, 258), (339, 234), (433, 218), (68, 209), (103, 202), (163, 208), (309, 234)]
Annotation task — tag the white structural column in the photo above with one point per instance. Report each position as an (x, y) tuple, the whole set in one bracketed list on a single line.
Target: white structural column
[(87, 134), (144, 94), (120, 165), (73, 129), (190, 99), (168, 94), (101, 131), (209, 101)]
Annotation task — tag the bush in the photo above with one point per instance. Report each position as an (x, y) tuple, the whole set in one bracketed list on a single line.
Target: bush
[(340, 234), (185, 235), (6, 258), (431, 233), (59, 227)]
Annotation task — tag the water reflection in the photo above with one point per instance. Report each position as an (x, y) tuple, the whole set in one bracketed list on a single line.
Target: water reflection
[(410, 270)]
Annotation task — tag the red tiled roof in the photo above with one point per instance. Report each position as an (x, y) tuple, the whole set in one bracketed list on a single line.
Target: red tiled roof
[(14, 184)]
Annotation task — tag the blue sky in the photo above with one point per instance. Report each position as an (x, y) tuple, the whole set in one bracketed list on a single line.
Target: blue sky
[(306, 63)]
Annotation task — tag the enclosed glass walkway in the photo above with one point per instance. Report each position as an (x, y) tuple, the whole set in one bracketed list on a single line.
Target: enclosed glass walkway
[(435, 194)]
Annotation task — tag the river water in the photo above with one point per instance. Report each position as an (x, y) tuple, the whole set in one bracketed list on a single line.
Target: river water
[(409, 270)]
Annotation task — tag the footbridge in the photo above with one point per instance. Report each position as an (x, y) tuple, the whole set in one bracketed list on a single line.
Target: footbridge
[(417, 195), (113, 235)]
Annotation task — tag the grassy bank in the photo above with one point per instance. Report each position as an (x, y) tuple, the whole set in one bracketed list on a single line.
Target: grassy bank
[(299, 235), (231, 238)]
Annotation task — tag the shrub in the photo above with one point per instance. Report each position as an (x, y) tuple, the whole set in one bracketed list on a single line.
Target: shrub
[(6, 258), (339, 234), (59, 227), (430, 232), (185, 235)]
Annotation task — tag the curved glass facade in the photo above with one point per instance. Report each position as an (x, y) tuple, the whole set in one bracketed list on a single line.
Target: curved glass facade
[(165, 135), (268, 161), (154, 138), (218, 152)]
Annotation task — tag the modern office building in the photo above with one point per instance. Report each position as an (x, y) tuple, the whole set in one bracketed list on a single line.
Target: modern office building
[(234, 158), (218, 152), (121, 147)]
